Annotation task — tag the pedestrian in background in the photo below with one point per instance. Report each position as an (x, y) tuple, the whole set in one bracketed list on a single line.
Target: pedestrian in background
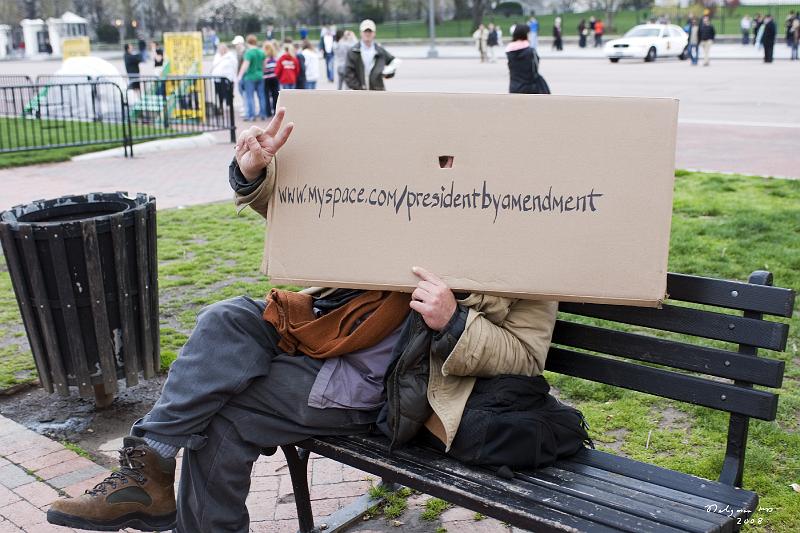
[(768, 40), (693, 29), (224, 66), (301, 72), (759, 33), (523, 64), (794, 34), (271, 85), (492, 41), (599, 28), (368, 63), (787, 24), (706, 35), (158, 58), (583, 31), (480, 36), (132, 61), (238, 44), (746, 24), (251, 74), (287, 67), (558, 42), (533, 35), (311, 61), (326, 49), (344, 41)]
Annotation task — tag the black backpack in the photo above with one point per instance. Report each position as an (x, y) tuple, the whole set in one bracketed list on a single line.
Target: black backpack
[(513, 421)]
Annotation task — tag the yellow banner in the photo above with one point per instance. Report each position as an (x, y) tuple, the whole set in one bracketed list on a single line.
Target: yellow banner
[(183, 56), (75, 47)]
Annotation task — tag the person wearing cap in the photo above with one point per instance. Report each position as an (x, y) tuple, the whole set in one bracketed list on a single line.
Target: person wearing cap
[(368, 62)]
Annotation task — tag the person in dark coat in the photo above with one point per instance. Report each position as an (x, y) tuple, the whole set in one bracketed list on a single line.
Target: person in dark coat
[(583, 31), (132, 66), (558, 43), (768, 40), (523, 64)]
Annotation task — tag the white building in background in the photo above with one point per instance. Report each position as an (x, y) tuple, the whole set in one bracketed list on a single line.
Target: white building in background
[(69, 25), (5, 40), (37, 34), (35, 37)]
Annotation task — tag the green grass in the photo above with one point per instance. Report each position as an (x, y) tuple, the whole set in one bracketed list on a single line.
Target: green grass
[(434, 509), (77, 449), (723, 226), (21, 132), (726, 22), (393, 504)]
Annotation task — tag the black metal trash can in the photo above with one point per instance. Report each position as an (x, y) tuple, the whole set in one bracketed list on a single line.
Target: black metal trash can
[(84, 270)]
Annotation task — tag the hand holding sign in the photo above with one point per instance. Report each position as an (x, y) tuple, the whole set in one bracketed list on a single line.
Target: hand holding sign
[(256, 147), (432, 299)]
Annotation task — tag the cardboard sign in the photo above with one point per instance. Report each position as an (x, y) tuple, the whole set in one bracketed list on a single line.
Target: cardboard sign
[(547, 197), (183, 56), (75, 47)]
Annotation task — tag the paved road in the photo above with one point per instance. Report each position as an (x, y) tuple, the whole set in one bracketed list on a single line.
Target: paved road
[(735, 116)]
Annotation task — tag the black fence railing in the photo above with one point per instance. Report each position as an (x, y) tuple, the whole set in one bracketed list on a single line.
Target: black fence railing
[(60, 112), (33, 117)]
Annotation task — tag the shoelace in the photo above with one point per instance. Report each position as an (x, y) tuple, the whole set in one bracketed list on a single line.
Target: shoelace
[(129, 468)]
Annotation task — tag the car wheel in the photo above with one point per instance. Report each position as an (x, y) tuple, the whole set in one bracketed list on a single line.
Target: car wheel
[(651, 55), (685, 54), (614, 59)]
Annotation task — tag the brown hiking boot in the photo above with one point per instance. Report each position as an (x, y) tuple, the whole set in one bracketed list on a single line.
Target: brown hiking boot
[(139, 495)]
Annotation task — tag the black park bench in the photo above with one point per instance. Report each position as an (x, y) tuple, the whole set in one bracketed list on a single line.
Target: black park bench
[(596, 491)]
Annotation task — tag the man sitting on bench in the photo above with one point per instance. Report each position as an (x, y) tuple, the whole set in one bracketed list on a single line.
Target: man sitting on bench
[(251, 377)]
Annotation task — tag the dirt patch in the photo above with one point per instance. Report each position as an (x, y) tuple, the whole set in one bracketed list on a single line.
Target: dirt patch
[(76, 419), (619, 439), (671, 418)]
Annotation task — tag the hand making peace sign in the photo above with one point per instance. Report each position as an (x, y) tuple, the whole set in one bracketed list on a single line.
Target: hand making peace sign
[(256, 147)]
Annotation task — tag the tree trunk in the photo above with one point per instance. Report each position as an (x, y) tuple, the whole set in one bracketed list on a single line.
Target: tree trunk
[(462, 9), (386, 7), (478, 8)]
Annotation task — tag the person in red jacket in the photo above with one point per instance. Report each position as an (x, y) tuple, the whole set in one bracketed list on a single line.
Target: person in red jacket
[(287, 67), (599, 29)]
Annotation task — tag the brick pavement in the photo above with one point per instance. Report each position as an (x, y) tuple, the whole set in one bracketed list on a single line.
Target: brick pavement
[(35, 471)]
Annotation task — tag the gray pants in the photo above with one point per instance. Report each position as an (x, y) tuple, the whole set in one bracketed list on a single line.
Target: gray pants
[(230, 394)]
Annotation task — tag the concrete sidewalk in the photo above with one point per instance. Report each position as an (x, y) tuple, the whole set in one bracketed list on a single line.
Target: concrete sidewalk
[(176, 177)]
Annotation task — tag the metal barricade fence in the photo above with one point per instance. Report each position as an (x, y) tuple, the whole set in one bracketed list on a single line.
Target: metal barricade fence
[(60, 112), (34, 117), (181, 105), (52, 79), (14, 79)]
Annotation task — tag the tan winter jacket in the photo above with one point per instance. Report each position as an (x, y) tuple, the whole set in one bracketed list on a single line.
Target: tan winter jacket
[(501, 336)]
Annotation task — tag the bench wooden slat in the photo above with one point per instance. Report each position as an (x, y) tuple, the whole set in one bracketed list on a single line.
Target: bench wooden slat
[(533, 515), (735, 497), (641, 504), (666, 494), (698, 391), (731, 294), (608, 482), (767, 372), (452, 473), (719, 326)]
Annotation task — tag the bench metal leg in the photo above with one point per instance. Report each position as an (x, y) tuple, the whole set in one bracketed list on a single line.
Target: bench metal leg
[(345, 517), (297, 459)]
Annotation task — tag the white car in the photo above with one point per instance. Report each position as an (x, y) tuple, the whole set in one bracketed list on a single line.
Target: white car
[(649, 41)]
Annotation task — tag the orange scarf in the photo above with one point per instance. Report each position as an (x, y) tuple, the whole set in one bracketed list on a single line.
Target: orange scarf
[(339, 332)]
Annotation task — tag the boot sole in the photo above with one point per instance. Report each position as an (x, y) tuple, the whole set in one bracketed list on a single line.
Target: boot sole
[(139, 521)]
